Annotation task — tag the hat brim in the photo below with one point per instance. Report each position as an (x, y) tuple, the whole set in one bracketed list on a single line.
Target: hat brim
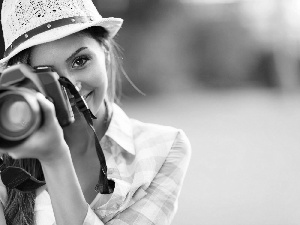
[(112, 25)]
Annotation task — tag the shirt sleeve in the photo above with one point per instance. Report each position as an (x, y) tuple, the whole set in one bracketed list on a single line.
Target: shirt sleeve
[(160, 203), (3, 193), (44, 214), (3, 199), (91, 218)]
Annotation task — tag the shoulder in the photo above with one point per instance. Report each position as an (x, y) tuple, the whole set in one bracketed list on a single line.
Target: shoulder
[(159, 137), (148, 139)]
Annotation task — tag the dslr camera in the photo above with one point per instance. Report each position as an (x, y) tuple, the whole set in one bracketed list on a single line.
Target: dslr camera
[(20, 112)]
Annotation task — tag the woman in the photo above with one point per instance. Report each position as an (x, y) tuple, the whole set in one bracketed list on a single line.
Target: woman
[(146, 162)]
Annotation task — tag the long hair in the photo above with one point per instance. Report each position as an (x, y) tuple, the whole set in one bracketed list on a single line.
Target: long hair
[(20, 205)]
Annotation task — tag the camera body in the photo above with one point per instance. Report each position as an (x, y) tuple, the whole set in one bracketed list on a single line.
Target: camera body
[(20, 112)]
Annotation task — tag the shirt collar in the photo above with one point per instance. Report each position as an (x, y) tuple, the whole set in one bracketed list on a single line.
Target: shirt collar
[(120, 128)]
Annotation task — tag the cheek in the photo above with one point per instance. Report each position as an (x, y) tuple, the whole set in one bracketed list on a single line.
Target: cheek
[(96, 76), (101, 88), (99, 95), (99, 83)]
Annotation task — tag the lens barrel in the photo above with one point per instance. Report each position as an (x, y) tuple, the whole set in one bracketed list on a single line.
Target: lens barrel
[(20, 114)]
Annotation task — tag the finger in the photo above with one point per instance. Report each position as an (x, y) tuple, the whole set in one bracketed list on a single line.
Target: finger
[(47, 106)]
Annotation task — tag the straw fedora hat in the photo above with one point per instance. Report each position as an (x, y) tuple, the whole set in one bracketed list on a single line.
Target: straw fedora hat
[(28, 23)]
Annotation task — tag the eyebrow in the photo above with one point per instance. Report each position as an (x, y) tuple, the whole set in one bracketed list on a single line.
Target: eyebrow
[(67, 60), (75, 53)]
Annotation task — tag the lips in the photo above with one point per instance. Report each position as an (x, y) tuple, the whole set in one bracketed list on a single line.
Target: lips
[(87, 95)]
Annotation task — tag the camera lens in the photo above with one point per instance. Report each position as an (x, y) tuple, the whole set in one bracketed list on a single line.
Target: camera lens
[(19, 115), (15, 116)]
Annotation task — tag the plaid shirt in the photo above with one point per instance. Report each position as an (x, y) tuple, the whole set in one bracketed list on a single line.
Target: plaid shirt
[(148, 164)]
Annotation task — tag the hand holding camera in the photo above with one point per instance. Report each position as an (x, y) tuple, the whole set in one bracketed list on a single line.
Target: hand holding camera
[(30, 125)]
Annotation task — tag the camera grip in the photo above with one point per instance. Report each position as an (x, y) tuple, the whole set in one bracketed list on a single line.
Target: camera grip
[(58, 94)]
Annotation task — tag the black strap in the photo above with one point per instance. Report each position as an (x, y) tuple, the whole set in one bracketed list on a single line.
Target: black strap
[(104, 186)]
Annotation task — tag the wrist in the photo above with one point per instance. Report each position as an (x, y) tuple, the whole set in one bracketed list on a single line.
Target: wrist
[(56, 156)]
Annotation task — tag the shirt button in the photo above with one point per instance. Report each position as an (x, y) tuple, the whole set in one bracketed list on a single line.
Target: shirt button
[(116, 206)]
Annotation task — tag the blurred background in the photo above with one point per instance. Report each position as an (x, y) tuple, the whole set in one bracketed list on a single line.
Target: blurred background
[(227, 73)]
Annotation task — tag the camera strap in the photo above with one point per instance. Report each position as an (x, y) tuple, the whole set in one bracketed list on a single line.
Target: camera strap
[(104, 186), (18, 178)]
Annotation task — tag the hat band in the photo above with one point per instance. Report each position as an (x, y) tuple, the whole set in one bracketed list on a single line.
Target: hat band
[(45, 27)]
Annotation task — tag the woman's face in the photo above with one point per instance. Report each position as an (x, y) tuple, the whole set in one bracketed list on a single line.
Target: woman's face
[(81, 59)]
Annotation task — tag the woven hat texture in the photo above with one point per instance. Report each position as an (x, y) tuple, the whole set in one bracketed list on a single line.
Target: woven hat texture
[(26, 23)]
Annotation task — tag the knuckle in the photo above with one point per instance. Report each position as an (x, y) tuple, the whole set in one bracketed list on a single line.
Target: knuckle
[(50, 106)]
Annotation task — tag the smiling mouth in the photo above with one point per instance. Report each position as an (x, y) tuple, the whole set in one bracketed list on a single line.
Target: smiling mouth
[(86, 96)]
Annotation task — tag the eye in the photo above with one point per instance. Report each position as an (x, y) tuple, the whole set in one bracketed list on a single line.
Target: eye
[(80, 61)]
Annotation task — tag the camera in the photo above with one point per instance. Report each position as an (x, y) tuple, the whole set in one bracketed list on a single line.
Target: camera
[(20, 112)]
